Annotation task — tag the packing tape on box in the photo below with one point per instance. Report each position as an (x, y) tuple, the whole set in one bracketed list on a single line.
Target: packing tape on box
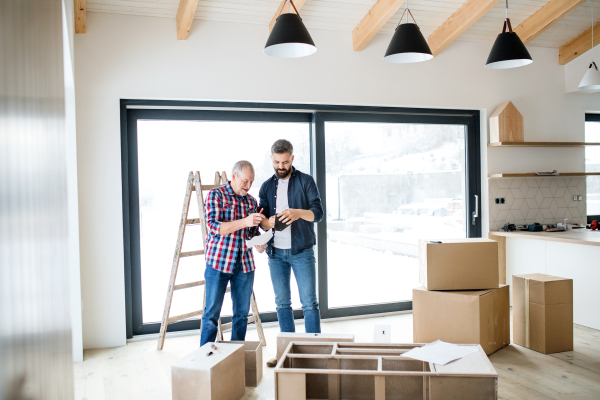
[(527, 328)]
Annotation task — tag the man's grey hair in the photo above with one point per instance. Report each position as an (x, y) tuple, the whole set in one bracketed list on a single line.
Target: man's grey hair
[(282, 146), (240, 166)]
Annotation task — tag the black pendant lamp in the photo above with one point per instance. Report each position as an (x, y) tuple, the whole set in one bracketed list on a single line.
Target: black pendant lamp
[(289, 37), (508, 50), (408, 44)]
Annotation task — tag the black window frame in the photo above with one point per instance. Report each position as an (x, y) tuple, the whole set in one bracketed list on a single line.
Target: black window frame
[(133, 110), (591, 118)]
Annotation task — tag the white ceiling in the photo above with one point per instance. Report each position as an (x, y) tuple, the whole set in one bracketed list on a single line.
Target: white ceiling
[(344, 15)]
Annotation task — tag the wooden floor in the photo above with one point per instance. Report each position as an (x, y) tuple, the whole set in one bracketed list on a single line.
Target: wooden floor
[(139, 371)]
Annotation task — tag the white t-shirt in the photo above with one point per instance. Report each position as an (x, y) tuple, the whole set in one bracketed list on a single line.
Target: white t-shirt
[(282, 239)]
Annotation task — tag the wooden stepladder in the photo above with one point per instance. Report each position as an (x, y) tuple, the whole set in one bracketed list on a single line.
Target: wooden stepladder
[(194, 184)]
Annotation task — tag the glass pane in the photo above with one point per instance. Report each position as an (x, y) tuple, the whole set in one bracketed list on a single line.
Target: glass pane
[(592, 164), (387, 186), (167, 152)]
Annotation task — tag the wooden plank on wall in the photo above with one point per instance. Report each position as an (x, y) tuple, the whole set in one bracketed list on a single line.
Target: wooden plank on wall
[(185, 16), (458, 23), (80, 16), (545, 17), (578, 45), (284, 9), (375, 19)]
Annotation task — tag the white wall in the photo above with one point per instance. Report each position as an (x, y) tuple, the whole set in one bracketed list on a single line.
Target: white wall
[(139, 57)]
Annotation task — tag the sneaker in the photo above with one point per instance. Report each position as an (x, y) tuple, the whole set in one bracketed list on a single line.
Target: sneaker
[(272, 363)]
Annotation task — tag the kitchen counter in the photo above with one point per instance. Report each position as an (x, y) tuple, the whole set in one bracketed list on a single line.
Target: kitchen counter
[(574, 236)]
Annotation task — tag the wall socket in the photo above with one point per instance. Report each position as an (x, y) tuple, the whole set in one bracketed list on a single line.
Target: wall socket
[(502, 200), (577, 198)]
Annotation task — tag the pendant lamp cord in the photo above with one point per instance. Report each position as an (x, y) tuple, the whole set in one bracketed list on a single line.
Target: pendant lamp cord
[(507, 21), (283, 4), (593, 64), (406, 9)]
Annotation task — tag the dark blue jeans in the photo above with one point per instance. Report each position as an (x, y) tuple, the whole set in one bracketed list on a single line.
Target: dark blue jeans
[(281, 264), (241, 291)]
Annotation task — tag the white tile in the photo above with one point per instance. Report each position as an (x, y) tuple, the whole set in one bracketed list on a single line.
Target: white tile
[(553, 207), (532, 214), (553, 186), (517, 194), (546, 202), (560, 214), (532, 182), (532, 203), (546, 192), (581, 185), (493, 188), (524, 208), (494, 210), (568, 198), (517, 204), (575, 212), (531, 193), (509, 199), (561, 182), (574, 204), (548, 221), (524, 187), (574, 191), (503, 183), (560, 191), (539, 181), (501, 217), (547, 213), (539, 197), (502, 192), (493, 226), (573, 182), (582, 209), (560, 202), (545, 182), (516, 183), (517, 216), (529, 221), (539, 217), (568, 215)]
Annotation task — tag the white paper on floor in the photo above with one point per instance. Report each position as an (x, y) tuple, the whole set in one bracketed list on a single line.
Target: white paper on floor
[(441, 353), (262, 239)]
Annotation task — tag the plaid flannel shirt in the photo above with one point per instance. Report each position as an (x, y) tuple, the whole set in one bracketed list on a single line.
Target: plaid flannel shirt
[(222, 251)]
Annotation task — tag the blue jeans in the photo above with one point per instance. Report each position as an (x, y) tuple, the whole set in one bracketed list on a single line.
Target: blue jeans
[(241, 291), (281, 264)]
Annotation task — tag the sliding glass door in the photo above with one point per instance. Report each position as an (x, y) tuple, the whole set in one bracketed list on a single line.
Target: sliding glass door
[(387, 178)]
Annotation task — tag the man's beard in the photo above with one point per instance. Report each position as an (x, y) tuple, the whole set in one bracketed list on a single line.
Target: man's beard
[(282, 173)]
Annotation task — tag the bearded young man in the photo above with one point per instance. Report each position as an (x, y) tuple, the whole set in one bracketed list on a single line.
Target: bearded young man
[(293, 198)]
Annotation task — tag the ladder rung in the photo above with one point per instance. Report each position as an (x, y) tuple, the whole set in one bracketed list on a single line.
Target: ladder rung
[(188, 285), (193, 221), (206, 187), (185, 316), (191, 253), (228, 325)]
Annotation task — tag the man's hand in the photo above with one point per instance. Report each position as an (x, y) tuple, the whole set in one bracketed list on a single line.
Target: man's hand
[(261, 247), (253, 219), (272, 222), (290, 215)]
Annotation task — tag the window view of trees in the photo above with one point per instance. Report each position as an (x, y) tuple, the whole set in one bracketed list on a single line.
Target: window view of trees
[(387, 186)]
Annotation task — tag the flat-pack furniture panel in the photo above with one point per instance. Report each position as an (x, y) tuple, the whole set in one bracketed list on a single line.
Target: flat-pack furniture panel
[(373, 371), (253, 362), (543, 312), (478, 316), (219, 376), (458, 264), (284, 338)]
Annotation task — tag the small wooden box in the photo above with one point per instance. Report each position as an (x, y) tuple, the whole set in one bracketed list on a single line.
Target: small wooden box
[(506, 124), (219, 376), (254, 362), (284, 338)]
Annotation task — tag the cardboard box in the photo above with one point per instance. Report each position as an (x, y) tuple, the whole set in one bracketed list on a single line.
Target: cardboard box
[(359, 371), (458, 264), (253, 362), (284, 339), (543, 312), (469, 317), (219, 376)]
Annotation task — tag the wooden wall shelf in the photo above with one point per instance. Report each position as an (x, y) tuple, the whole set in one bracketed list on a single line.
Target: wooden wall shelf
[(533, 175), (543, 144)]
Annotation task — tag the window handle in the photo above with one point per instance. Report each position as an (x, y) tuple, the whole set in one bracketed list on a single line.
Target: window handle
[(475, 213)]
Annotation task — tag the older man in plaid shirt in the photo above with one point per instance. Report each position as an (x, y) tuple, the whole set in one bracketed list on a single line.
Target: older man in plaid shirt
[(232, 218)]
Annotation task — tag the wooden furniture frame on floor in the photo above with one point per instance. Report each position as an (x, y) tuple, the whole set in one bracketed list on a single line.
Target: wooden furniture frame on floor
[(195, 184), (372, 371)]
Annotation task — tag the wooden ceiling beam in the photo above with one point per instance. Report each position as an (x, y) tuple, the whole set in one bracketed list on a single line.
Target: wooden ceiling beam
[(80, 16), (460, 21), (185, 16), (284, 9), (545, 17), (578, 45), (372, 23)]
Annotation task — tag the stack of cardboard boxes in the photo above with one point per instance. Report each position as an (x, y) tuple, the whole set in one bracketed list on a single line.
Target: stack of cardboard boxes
[(461, 300)]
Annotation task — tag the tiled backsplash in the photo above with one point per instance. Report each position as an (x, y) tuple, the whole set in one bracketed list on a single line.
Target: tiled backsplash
[(546, 200)]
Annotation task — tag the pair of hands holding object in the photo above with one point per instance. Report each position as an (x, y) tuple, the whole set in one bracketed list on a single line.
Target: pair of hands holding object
[(254, 219)]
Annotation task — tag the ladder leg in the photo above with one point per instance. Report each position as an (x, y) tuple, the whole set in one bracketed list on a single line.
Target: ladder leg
[(219, 331), (259, 328)]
